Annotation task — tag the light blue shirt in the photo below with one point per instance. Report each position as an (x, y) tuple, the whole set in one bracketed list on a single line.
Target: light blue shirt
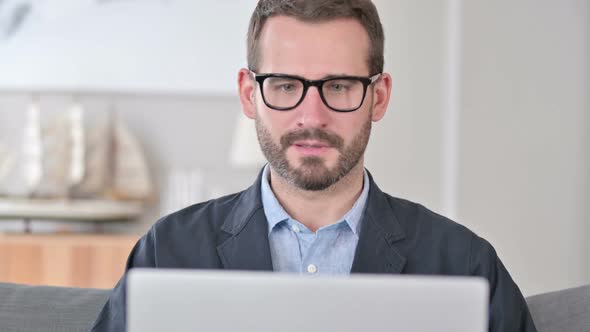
[(296, 249)]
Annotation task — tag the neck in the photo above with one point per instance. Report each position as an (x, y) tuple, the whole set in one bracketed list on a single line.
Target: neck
[(316, 209)]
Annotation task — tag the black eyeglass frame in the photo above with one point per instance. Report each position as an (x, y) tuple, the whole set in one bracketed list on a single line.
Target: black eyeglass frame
[(366, 81)]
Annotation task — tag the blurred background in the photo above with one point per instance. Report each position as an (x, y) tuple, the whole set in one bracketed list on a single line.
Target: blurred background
[(489, 124)]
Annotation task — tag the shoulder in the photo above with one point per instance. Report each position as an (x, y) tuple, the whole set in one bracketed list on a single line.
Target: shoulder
[(208, 215), (437, 244), (416, 219), (196, 225), (174, 239)]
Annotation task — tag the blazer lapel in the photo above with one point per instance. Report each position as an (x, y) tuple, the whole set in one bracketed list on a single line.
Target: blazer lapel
[(247, 248), (380, 229)]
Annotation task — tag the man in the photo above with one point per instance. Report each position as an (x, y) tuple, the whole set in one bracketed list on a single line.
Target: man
[(314, 86)]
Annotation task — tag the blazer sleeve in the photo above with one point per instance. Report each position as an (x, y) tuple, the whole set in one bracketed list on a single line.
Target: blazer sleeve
[(508, 308), (112, 317)]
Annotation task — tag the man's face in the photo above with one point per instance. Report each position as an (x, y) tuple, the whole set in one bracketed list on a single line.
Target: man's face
[(312, 146)]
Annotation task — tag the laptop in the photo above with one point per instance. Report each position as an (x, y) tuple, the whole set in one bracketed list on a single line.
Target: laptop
[(230, 301)]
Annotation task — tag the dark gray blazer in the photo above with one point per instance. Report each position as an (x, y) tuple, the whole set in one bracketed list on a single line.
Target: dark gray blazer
[(397, 236)]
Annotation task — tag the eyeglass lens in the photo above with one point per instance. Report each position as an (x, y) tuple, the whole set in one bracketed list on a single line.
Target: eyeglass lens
[(338, 93)]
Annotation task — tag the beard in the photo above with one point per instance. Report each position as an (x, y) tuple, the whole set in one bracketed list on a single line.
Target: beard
[(313, 174)]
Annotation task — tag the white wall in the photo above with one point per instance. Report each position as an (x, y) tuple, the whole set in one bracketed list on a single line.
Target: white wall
[(405, 151), (525, 150), (137, 46)]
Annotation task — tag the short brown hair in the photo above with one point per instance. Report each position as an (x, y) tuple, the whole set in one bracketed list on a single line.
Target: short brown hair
[(363, 11)]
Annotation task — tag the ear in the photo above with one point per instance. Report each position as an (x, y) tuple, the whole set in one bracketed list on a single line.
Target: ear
[(246, 89), (381, 93)]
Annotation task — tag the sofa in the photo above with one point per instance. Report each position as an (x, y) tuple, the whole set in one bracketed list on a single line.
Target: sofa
[(45, 308)]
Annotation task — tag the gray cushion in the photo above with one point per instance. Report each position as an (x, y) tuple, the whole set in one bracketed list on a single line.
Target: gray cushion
[(562, 311), (42, 308)]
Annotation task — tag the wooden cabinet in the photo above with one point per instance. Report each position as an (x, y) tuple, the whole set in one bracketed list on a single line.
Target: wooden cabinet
[(75, 260)]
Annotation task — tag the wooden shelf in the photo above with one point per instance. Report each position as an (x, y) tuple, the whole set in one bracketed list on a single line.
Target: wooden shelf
[(73, 210)]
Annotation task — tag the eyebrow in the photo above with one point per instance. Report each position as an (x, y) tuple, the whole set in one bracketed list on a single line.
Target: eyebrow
[(335, 76), (325, 77)]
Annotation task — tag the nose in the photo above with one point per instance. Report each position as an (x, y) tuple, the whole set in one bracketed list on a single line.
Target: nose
[(312, 112)]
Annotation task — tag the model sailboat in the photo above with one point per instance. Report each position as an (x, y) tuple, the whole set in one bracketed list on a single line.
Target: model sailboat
[(67, 160), (115, 166)]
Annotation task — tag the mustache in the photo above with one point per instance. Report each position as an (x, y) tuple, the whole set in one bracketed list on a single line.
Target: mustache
[(317, 134)]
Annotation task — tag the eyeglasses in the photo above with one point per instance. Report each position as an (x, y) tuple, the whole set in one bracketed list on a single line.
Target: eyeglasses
[(340, 93)]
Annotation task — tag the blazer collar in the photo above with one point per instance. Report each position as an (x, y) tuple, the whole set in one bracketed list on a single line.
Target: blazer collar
[(380, 229), (248, 248)]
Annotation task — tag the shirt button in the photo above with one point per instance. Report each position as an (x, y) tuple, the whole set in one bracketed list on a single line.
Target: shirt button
[(295, 229), (312, 268)]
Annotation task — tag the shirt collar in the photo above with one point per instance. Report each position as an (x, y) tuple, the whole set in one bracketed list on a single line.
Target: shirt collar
[(354, 216), (272, 208), (275, 213)]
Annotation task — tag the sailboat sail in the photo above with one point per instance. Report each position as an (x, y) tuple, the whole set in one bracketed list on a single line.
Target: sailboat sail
[(116, 167), (131, 176), (96, 158)]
